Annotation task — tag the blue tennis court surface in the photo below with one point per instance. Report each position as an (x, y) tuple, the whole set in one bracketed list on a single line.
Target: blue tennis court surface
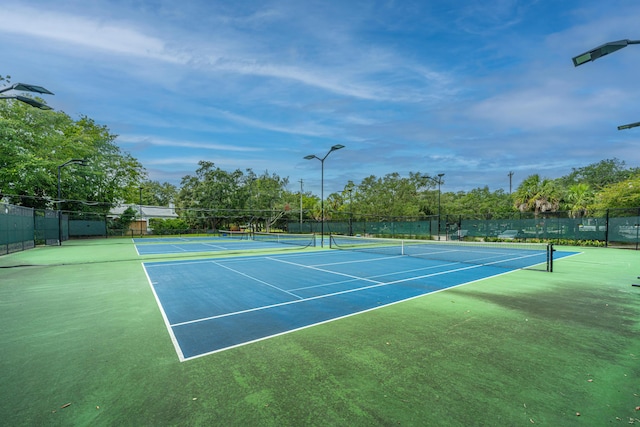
[(216, 304), (174, 245)]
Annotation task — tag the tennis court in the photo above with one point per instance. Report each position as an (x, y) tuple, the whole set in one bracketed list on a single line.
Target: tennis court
[(215, 304), (224, 242), (84, 342)]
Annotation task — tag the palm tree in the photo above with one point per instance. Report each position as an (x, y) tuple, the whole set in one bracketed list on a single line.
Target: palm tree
[(577, 199), (537, 195)]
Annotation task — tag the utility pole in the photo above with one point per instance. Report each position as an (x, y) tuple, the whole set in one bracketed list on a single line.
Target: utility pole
[(510, 176)]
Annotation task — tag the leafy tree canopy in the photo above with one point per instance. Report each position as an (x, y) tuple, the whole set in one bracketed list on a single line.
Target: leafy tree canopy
[(34, 146)]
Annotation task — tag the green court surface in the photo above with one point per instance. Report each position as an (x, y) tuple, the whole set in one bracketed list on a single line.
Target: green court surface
[(83, 343)]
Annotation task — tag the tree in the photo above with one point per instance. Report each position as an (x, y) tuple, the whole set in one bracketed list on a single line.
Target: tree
[(153, 193), (624, 194), (481, 203), (35, 143), (124, 221), (205, 197), (598, 175), (392, 195), (163, 226), (537, 195), (214, 195), (577, 199)]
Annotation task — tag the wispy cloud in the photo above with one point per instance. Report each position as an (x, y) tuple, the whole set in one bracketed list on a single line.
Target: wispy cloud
[(156, 141), (114, 37), (307, 128), (361, 74)]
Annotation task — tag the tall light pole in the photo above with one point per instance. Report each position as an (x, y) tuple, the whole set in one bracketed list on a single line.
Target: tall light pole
[(26, 88), (301, 205), (350, 190), (601, 51), (140, 211), (510, 179), (313, 156), (81, 162), (440, 175)]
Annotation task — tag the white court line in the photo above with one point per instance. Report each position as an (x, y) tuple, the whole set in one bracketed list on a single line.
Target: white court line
[(377, 276), (311, 267), (256, 279), (395, 281), (183, 359), (223, 248), (486, 256), (360, 260), (174, 340), (355, 313), (376, 284)]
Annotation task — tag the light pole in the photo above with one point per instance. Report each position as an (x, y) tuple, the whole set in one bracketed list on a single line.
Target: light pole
[(313, 156), (26, 88), (510, 179), (300, 205), (81, 162), (440, 175), (350, 190), (601, 51), (140, 211)]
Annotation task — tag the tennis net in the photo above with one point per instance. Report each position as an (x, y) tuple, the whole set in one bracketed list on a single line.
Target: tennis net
[(240, 235), (518, 255), (304, 240)]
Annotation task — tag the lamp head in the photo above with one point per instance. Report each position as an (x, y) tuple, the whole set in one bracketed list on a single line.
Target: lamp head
[(599, 52), (32, 102), (629, 126), (30, 88)]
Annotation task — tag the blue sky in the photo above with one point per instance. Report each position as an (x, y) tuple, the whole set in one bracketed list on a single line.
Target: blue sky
[(473, 89)]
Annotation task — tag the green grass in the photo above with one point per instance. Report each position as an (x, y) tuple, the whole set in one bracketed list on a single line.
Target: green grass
[(81, 326)]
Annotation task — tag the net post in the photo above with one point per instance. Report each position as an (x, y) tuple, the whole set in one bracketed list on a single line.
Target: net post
[(550, 251), (330, 240)]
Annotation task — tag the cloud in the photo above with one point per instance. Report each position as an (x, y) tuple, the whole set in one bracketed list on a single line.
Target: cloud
[(307, 129), (372, 74), (153, 140), (114, 37)]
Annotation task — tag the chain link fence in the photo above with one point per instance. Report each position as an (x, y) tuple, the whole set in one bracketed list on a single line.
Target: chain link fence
[(23, 228)]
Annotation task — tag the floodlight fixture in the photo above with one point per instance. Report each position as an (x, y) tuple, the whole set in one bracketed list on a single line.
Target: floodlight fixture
[(601, 51), (25, 87), (629, 126), (30, 101)]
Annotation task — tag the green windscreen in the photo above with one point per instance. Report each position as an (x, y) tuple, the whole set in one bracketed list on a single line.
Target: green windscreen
[(16, 228)]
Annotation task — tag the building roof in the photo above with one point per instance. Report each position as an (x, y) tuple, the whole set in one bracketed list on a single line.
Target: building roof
[(146, 211)]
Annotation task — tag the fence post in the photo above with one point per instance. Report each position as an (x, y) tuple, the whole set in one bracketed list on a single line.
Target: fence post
[(637, 229), (606, 230)]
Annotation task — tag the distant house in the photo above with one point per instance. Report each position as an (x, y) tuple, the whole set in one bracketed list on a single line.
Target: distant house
[(143, 214)]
